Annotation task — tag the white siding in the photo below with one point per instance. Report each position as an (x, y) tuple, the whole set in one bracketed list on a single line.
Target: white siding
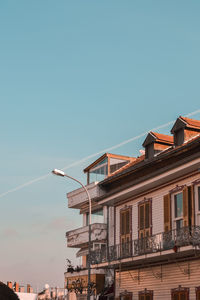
[(172, 277), (157, 208)]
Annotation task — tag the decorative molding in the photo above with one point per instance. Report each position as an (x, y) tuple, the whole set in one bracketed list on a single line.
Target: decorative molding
[(145, 291), (178, 188), (180, 289), (197, 181), (144, 201)]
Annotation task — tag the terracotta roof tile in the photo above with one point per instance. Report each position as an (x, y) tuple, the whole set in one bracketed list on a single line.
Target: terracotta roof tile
[(142, 157), (163, 137), (136, 161), (191, 122)]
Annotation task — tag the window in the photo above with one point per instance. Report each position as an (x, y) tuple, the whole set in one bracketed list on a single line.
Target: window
[(178, 211), (96, 217), (126, 296), (99, 171), (197, 203), (116, 164), (146, 295), (180, 293)]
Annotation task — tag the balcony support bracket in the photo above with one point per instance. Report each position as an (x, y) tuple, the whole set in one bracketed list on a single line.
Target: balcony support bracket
[(157, 275), (184, 271)]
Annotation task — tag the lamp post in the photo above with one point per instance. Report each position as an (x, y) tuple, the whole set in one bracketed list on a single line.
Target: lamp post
[(63, 174)]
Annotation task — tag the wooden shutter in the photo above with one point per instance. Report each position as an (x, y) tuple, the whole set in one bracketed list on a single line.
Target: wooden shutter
[(198, 293), (141, 217), (127, 222), (147, 215), (191, 205), (167, 213), (185, 207), (122, 223)]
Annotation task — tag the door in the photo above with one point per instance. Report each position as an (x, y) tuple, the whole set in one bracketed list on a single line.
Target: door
[(125, 232)]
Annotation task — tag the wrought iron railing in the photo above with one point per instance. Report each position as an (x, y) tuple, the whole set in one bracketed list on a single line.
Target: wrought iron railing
[(159, 242)]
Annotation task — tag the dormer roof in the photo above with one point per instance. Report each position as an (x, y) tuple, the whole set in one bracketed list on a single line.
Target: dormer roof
[(110, 155), (159, 138), (183, 122)]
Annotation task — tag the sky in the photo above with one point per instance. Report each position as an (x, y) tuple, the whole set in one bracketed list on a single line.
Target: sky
[(76, 78)]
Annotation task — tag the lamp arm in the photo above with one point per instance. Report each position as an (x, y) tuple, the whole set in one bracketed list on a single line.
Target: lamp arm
[(89, 198)]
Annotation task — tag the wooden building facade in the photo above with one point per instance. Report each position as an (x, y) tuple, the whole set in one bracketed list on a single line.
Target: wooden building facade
[(153, 226)]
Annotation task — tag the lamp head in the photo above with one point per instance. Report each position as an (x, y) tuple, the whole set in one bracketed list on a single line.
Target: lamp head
[(58, 172)]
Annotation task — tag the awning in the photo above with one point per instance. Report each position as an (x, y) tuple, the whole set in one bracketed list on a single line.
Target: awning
[(82, 252)]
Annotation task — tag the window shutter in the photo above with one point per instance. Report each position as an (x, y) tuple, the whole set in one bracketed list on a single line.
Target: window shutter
[(141, 217), (198, 294), (147, 215), (185, 207), (127, 221), (167, 213), (121, 223), (191, 205)]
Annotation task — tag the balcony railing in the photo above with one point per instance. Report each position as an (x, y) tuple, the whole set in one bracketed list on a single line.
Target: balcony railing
[(156, 243)]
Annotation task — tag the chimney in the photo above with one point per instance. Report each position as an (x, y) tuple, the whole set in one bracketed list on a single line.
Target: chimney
[(184, 129), (155, 143), (28, 288), (9, 284), (16, 287), (21, 289)]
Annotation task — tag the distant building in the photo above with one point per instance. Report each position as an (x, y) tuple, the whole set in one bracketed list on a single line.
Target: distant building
[(20, 291), (50, 293)]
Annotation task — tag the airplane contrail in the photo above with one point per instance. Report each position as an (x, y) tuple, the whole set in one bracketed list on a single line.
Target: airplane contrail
[(19, 187)]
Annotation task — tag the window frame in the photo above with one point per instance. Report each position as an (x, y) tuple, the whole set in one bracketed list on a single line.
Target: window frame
[(174, 218), (197, 202), (126, 294), (180, 290), (145, 293)]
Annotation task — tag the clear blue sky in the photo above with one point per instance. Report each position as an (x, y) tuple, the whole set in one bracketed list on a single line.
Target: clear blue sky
[(77, 77)]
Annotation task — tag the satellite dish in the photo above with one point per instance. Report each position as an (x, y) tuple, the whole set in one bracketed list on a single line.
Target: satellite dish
[(46, 286)]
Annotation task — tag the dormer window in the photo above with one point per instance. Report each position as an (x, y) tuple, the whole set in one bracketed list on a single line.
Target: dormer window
[(184, 129), (99, 171), (106, 165), (155, 143)]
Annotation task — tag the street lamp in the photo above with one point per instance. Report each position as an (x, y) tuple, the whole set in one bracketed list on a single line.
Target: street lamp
[(62, 174)]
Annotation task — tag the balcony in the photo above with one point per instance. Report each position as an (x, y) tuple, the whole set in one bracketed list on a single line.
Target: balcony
[(79, 237), (78, 283), (159, 243), (79, 197)]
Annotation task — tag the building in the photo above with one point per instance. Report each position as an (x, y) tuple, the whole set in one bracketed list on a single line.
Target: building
[(52, 293), (77, 279), (20, 291), (151, 207)]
